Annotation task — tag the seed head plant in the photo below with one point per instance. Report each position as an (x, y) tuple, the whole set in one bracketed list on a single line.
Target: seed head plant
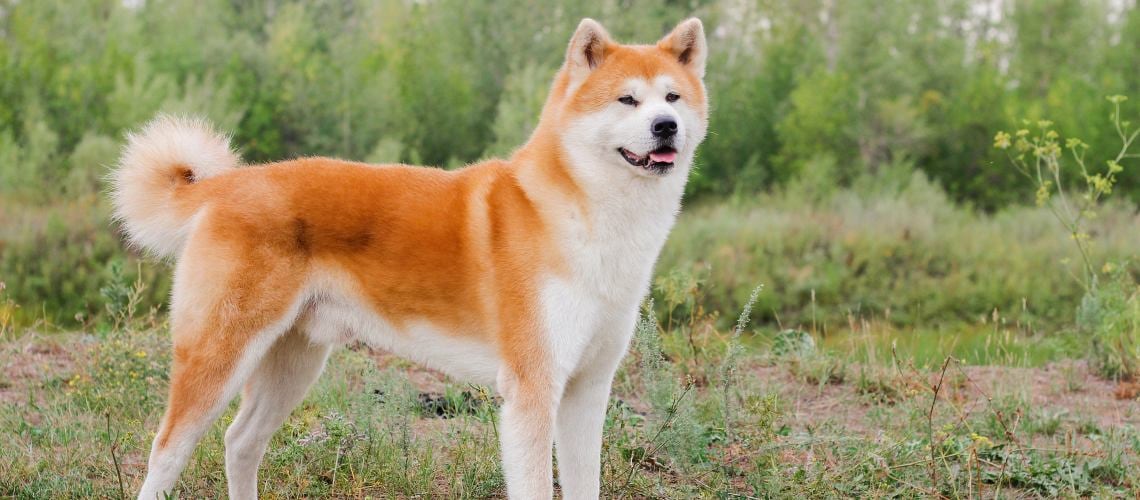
[(1109, 313), (1037, 153)]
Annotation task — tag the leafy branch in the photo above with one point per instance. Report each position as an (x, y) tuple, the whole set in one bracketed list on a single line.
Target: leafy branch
[(1040, 158)]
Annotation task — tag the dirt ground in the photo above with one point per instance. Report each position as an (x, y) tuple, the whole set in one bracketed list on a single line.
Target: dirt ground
[(1067, 389), (34, 360)]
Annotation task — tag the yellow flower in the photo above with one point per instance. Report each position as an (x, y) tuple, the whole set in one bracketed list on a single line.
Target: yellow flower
[(1043, 193), (1002, 140), (1108, 268), (140, 354), (981, 441)]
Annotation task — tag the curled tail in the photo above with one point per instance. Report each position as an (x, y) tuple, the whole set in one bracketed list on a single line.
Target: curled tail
[(158, 165)]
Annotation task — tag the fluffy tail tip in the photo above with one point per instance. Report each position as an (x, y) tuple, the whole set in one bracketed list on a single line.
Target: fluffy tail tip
[(165, 154)]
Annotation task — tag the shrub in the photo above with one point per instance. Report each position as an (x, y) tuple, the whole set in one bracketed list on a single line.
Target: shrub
[(56, 260), (1109, 313), (1111, 316), (892, 247)]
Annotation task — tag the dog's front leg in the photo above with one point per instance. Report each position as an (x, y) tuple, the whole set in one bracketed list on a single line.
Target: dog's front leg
[(527, 434), (582, 414)]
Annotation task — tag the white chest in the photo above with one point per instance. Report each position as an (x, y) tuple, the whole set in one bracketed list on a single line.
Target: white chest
[(612, 249), (610, 258)]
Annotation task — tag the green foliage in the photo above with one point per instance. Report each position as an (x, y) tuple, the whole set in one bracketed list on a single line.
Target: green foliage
[(819, 122), (793, 343), (863, 82), (1109, 313), (122, 299), (1038, 156), (125, 375), (679, 434), (31, 162), (749, 100), (892, 248), (518, 109), (56, 260), (811, 95), (8, 309)]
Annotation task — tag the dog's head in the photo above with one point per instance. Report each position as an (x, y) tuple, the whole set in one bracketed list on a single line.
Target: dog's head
[(638, 108)]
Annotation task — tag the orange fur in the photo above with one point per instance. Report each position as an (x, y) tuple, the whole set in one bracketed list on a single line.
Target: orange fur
[(463, 250)]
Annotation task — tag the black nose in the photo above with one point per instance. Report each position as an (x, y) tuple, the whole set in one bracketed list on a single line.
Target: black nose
[(664, 127)]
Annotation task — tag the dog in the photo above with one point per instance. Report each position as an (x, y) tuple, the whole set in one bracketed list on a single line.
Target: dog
[(525, 274)]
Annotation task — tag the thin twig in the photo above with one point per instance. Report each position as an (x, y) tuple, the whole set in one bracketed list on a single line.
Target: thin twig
[(115, 457), (930, 423)]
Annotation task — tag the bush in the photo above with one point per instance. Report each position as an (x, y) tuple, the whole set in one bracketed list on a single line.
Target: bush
[(1110, 315), (55, 261), (893, 247)]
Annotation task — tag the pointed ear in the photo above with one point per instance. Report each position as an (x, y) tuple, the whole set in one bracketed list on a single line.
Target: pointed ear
[(587, 49), (687, 44)]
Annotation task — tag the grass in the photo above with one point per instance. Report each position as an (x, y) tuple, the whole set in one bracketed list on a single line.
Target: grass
[(902, 346), (973, 343), (892, 249), (744, 417)]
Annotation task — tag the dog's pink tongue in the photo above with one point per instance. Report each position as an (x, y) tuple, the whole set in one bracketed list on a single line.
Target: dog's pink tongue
[(663, 157)]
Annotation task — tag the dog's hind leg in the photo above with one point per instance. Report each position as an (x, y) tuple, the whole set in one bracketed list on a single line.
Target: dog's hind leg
[(277, 385), (204, 379), (225, 315)]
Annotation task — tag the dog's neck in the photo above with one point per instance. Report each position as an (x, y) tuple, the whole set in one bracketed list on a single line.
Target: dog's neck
[(606, 196)]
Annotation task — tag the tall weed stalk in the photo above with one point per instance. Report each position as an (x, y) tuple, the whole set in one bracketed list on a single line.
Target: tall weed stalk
[(1110, 314)]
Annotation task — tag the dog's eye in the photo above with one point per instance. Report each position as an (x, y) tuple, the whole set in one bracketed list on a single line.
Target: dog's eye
[(672, 97), (628, 100)]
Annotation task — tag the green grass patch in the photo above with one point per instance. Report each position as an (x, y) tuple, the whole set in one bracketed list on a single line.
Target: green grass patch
[(696, 413)]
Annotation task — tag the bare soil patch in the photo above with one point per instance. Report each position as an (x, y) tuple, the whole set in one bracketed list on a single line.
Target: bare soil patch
[(1067, 389)]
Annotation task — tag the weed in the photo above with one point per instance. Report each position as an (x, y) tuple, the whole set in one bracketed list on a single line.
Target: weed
[(1047, 423), (818, 368), (746, 422), (1072, 377), (730, 361), (122, 298), (1111, 313), (7, 313)]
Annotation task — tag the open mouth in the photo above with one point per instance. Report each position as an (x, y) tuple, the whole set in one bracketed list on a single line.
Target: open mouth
[(658, 161)]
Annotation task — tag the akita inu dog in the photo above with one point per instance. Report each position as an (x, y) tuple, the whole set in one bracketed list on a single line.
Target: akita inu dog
[(526, 273)]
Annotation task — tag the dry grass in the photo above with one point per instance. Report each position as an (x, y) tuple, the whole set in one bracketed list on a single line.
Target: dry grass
[(372, 427)]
